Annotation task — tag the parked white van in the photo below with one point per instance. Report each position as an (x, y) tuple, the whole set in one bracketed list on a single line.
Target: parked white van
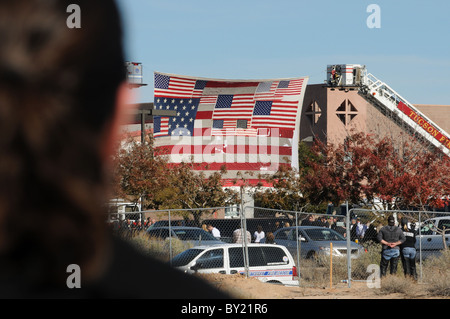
[(267, 262)]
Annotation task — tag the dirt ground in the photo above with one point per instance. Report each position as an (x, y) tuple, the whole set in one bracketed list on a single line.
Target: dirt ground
[(251, 288)]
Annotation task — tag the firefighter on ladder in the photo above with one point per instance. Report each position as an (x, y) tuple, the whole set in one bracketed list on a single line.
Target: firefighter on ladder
[(335, 75)]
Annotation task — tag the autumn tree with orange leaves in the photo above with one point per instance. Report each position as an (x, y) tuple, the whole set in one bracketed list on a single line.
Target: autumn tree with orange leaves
[(364, 168)]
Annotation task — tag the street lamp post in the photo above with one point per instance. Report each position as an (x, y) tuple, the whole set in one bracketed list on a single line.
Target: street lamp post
[(144, 109)]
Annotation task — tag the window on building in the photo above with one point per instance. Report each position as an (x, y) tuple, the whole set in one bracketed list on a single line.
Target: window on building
[(346, 112), (313, 112)]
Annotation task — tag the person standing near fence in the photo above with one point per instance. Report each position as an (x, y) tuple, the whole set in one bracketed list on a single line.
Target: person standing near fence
[(238, 236), (408, 250), (309, 221), (340, 229), (270, 239), (214, 231), (353, 228), (360, 229), (391, 237), (259, 234)]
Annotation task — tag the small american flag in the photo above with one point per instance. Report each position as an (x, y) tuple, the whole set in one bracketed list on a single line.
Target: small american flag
[(244, 125)]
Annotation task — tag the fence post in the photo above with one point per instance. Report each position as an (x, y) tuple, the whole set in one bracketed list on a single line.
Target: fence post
[(349, 262), (170, 239), (420, 246), (298, 247), (244, 234), (331, 264)]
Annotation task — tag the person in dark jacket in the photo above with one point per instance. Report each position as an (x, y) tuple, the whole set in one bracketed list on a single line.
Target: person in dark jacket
[(353, 227), (408, 250), (391, 237), (309, 221)]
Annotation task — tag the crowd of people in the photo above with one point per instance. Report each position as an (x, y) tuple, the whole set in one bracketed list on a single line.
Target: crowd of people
[(398, 242), (359, 232), (129, 228)]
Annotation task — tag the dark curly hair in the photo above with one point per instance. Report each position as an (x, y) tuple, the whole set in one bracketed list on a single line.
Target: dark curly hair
[(57, 96)]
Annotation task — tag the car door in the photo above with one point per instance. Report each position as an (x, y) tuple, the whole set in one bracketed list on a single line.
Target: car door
[(430, 241), (266, 263), (284, 237), (303, 242), (257, 263), (211, 261), (158, 233), (236, 260), (444, 224), (278, 265)]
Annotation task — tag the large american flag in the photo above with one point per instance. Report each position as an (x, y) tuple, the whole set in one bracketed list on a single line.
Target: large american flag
[(240, 125)]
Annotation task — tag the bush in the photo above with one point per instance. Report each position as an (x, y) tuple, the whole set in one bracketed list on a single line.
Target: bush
[(316, 271), (312, 274), (371, 256), (437, 263), (397, 284), (439, 284)]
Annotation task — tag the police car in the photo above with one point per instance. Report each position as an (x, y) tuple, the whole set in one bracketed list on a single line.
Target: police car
[(267, 262)]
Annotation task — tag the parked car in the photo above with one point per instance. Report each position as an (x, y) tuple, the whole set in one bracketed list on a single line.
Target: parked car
[(429, 240), (192, 235), (315, 241), (176, 222), (267, 262)]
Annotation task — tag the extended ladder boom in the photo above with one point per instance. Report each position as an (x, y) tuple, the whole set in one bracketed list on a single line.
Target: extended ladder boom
[(380, 94)]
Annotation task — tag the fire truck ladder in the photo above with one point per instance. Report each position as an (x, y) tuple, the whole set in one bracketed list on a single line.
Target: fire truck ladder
[(404, 113)]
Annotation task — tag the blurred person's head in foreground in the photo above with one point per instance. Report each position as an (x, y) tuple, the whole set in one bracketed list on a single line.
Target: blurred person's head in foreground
[(61, 91), (62, 94)]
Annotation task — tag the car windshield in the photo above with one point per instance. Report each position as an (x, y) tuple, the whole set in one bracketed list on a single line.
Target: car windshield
[(324, 234), (193, 234), (185, 257)]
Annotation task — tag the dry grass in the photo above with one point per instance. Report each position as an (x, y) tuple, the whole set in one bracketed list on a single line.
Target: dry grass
[(437, 274), (439, 284), (392, 284), (435, 281), (158, 248)]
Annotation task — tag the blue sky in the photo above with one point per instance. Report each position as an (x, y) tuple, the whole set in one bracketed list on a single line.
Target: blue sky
[(259, 39)]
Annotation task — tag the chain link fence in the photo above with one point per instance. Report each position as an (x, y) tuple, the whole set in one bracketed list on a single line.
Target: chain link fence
[(426, 240), (288, 247), (317, 243)]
